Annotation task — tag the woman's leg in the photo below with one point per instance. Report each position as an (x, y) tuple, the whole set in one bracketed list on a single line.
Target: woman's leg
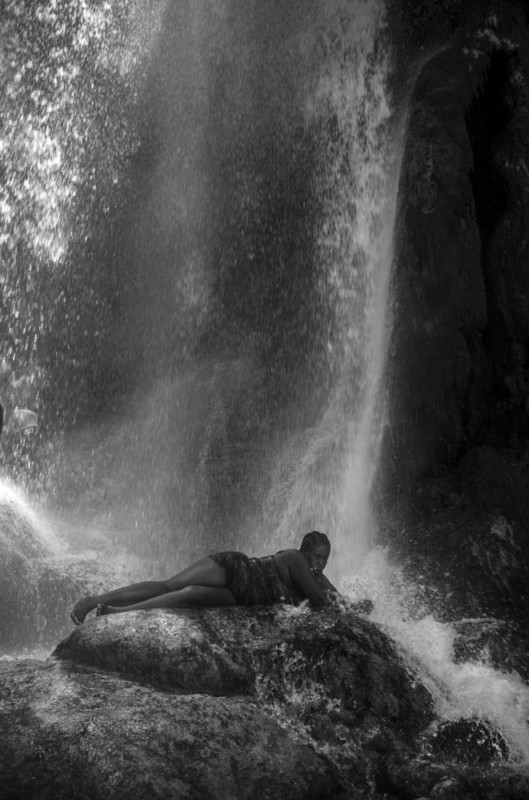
[(204, 572), (188, 597)]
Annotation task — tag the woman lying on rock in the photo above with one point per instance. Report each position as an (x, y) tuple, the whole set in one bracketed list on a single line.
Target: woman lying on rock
[(228, 579)]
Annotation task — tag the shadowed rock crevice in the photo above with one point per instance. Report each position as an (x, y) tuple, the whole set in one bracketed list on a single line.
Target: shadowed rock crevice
[(486, 116)]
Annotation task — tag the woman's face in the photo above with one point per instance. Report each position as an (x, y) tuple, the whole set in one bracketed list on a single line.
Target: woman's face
[(317, 557)]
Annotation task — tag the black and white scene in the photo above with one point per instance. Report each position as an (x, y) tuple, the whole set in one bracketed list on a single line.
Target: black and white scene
[(264, 399)]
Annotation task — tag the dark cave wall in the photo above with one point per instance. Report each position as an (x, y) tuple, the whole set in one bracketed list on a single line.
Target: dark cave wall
[(458, 360), (454, 487)]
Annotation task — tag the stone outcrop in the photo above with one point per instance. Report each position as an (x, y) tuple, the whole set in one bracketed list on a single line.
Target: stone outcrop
[(325, 659), (237, 703), (75, 732)]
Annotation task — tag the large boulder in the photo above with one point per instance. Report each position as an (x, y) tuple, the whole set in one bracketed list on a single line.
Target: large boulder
[(309, 662), (232, 703), (212, 703)]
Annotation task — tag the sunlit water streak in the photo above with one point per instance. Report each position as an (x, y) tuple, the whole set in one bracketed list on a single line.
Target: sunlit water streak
[(25, 528), (330, 470)]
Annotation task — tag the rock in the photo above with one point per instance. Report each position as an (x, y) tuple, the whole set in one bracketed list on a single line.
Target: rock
[(274, 701), (37, 591), (41, 578), (504, 644), (26, 555), (166, 649), (75, 732), (461, 332), (468, 741), (231, 702), (455, 465), (493, 483), (313, 663)]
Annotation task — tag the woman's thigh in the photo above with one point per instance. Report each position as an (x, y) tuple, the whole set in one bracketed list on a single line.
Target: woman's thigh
[(191, 596), (204, 572)]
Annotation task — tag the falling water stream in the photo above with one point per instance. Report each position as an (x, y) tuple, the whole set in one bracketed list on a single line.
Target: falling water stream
[(196, 221), (198, 216)]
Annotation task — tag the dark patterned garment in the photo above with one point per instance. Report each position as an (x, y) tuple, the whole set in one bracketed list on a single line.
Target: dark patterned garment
[(254, 581)]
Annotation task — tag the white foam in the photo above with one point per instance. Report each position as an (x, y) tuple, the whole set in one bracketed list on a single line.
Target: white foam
[(468, 689)]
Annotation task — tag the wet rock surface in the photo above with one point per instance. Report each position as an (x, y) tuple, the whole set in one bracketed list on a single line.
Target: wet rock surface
[(468, 742), (322, 659), (75, 732), (238, 703)]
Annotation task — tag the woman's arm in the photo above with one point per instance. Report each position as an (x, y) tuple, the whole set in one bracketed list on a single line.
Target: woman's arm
[(302, 577), (327, 585)]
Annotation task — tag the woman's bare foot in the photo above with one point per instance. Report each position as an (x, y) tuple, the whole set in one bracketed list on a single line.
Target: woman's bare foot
[(81, 609), (102, 610)]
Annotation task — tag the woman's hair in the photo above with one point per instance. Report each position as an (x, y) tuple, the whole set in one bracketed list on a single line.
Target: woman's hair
[(314, 538)]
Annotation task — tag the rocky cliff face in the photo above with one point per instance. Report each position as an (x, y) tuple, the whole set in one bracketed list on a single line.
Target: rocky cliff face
[(457, 448), (462, 279)]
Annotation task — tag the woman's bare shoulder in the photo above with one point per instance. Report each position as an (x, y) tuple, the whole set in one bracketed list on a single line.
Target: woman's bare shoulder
[(288, 556)]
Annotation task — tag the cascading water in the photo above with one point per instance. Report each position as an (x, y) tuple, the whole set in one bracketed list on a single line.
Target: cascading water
[(197, 305), (197, 214), (331, 467), (469, 689)]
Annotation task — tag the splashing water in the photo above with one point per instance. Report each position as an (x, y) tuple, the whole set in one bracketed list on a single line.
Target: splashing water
[(470, 689)]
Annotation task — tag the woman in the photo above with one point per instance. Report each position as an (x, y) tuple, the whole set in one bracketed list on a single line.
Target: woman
[(228, 579)]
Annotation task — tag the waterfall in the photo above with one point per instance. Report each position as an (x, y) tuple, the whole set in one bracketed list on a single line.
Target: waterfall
[(196, 217), (196, 248), (331, 470)]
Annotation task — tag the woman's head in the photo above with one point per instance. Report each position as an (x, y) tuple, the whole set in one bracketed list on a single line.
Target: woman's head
[(316, 548)]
